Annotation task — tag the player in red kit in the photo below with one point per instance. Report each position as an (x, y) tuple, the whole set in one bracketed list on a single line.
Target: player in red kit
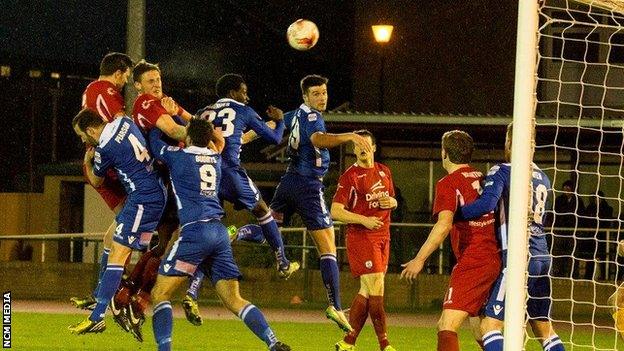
[(364, 200), (103, 96), (474, 242), (152, 109)]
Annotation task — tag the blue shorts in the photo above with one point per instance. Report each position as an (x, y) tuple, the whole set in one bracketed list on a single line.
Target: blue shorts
[(303, 195), (236, 187), (136, 223), (538, 288), (204, 245)]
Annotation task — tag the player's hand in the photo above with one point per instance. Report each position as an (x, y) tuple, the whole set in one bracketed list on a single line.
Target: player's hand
[(372, 222), (271, 124), (411, 269), (170, 105), (387, 202), (89, 155), (275, 113), (362, 142)]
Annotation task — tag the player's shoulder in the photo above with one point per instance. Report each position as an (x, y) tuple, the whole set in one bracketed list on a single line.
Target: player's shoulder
[(102, 87), (384, 171), (310, 114), (145, 101), (350, 171), (500, 168)]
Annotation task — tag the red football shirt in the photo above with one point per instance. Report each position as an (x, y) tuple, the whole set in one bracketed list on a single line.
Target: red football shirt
[(359, 190), (104, 98), (147, 110), (474, 238)]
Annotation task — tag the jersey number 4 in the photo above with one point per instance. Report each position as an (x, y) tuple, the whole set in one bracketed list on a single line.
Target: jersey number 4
[(140, 151), (224, 117)]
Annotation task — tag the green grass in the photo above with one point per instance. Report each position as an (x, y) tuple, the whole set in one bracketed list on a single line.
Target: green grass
[(36, 331)]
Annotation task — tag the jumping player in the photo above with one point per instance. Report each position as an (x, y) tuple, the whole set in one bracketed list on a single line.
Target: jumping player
[(121, 146), (203, 243), (234, 117), (103, 96), (301, 188)]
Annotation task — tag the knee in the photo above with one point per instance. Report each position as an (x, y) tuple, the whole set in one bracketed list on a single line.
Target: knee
[(158, 294), (260, 210), (445, 323)]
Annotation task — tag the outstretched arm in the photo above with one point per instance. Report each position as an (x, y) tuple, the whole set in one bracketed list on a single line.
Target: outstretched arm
[(327, 140), (492, 192), (438, 233)]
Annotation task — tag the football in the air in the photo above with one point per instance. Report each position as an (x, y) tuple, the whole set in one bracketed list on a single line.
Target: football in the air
[(302, 34)]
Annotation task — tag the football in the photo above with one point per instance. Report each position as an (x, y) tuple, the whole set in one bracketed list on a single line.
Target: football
[(302, 34)]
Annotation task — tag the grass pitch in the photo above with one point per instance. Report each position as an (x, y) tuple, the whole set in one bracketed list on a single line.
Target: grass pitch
[(37, 331)]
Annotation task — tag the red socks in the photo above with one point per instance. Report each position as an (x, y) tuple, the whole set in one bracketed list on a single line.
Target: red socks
[(447, 341), (378, 317), (357, 318)]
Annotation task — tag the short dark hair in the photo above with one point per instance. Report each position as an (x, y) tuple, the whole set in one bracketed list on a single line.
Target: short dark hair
[(87, 118), (113, 62), (366, 132), (227, 82), (199, 131), (312, 80), (458, 146), (142, 67)]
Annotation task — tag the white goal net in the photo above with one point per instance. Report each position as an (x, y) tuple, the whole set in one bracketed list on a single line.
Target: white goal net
[(579, 144)]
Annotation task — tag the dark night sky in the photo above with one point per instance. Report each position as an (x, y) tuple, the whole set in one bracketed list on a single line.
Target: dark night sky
[(445, 57)]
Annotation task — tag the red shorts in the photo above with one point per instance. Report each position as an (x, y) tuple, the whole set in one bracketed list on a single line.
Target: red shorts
[(367, 254), (470, 285), (111, 190)]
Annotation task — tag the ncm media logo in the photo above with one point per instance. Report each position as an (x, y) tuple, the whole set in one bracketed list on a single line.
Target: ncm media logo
[(6, 320)]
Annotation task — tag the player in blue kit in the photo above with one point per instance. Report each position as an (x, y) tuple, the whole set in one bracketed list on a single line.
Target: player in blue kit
[(121, 146), (495, 197), (234, 117), (301, 188), (203, 243)]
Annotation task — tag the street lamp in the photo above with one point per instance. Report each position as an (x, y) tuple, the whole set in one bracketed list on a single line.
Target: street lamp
[(382, 33)]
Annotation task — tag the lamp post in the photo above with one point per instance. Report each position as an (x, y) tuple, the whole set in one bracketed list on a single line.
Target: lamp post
[(382, 33)]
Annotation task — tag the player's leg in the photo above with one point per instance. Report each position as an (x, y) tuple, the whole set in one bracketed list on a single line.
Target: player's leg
[(224, 275), (229, 293), (494, 316), (162, 318), (110, 281), (189, 303), (448, 325), (475, 328), (274, 239), (375, 286), (539, 305)]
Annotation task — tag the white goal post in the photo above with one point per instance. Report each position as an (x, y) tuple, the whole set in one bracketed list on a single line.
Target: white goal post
[(569, 85)]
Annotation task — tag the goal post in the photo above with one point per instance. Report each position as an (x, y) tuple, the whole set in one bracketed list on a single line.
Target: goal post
[(569, 86), (521, 158)]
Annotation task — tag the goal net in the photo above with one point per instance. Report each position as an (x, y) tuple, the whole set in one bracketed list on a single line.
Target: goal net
[(579, 114)]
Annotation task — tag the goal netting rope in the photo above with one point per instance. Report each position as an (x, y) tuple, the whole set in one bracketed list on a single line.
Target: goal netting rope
[(579, 115)]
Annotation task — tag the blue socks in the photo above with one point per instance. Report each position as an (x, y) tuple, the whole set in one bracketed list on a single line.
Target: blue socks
[(331, 279), (255, 321), (196, 282), (493, 341), (162, 324), (274, 238), (107, 287), (553, 344), (251, 233), (103, 263)]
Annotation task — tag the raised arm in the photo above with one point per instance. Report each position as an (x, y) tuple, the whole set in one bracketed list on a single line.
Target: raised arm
[(271, 135), (328, 140)]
